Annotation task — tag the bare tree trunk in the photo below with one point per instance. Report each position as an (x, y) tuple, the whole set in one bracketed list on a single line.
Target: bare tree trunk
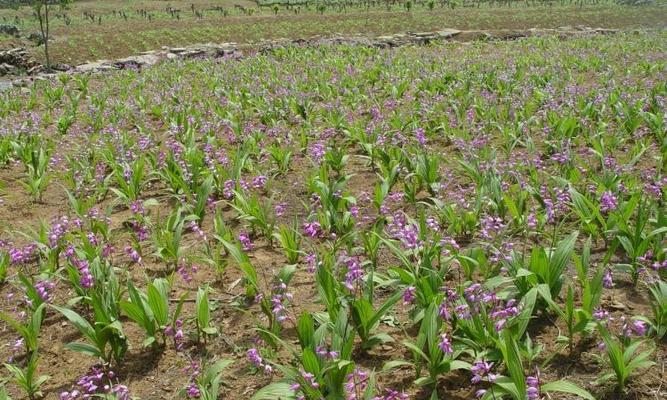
[(46, 37), (44, 29)]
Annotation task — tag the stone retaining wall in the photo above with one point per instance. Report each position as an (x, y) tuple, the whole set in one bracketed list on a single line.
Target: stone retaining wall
[(211, 50)]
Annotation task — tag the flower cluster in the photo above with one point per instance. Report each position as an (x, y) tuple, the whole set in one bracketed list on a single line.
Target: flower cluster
[(257, 360), (280, 299), (176, 333), (193, 371), (356, 383), (98, 381), (43, 289), (309, 380), (608, 202), (86, 278), (245, 241), (476, 300)]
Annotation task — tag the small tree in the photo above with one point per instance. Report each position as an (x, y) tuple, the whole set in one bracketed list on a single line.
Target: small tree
[(41, 8)]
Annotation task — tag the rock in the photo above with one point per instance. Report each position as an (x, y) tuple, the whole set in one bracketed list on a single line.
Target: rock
[(11, 30), (93, 66), (424, 34), (6, 69), (618, 306), (447, 33), (36, 37), (177, 50), (38, 69), (171, 56), (16, 59), (386, 40), (510, 35), (136, 62), (605, 31), (193, 53), (61, 67)]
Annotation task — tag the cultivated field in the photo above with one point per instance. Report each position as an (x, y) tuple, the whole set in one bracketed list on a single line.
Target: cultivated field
[(451, 221), (91, 30)]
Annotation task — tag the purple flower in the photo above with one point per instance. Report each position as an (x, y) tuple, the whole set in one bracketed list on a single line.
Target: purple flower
[(491, 226), (409, 295), (311, 260), (280, 209), (533, 389), (356, 383), (86, 279), (531, 222), (312, 229), (392, 395), (244, 238), (462, 311), (256, 360), (608, 202), (279, 308), (326, 354), (317, 151), (137, 207), (133, 254), (310, 379), (354, 274), (97, 381), (186, 274), (254, 357), (607, 280), (480, 370), (444, 312), (121, 392), (639, 327), (445, 344), (259, 182), (42, 288), (600, 314), (193, 391), (228, 189), (420, 136)]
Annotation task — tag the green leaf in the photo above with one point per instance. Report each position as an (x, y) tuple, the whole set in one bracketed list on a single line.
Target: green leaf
[(81, 324), (566, 387), (506, 385), (417, 350), (133, 312), (275, 391), (424, 381), (395, 364), (148, 341), (383, 309), (305, 330), (458, 364), (203, 309), (310, 361), (210, 330), (513, 362), (243, 262), (159, 304), (84, 348)]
